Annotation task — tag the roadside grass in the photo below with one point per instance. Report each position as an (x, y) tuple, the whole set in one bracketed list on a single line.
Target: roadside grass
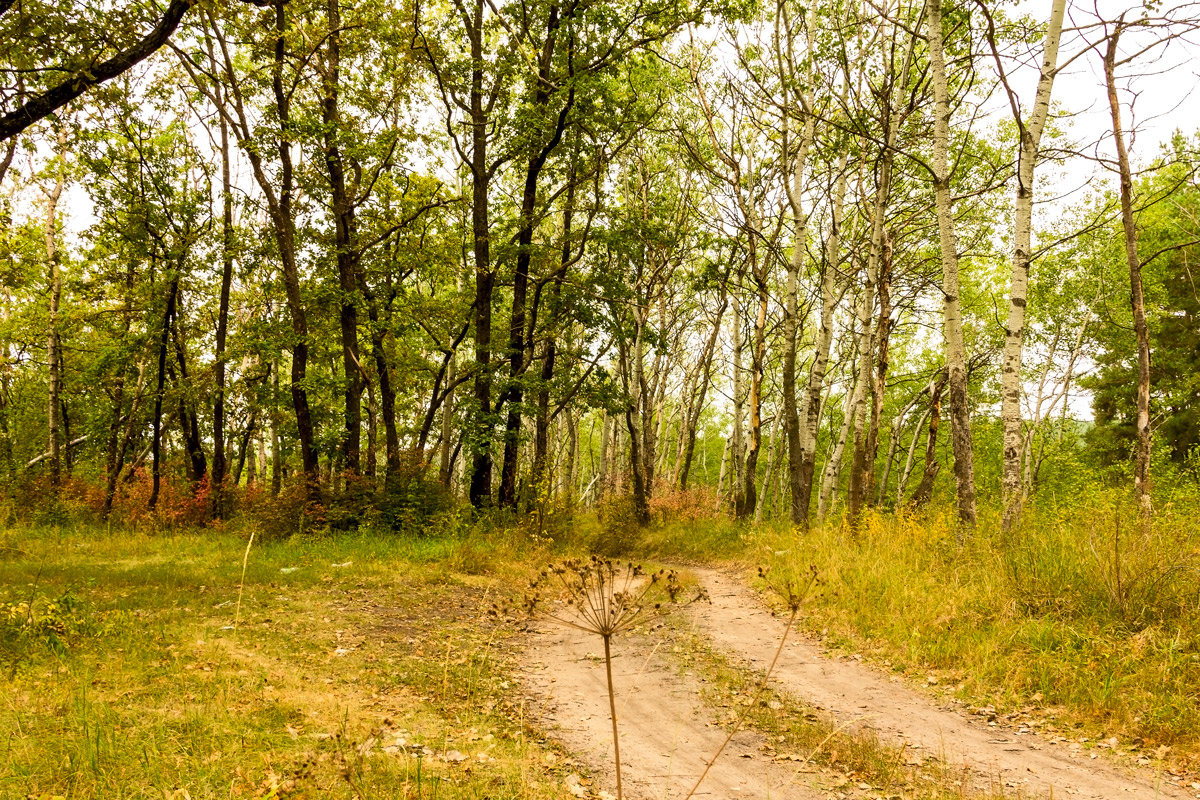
[(364, 665), (809, 743), (361, 667), (1078, 624)]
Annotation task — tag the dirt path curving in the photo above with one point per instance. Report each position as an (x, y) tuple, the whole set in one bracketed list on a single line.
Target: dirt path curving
[(666, 738), (1001, 760)]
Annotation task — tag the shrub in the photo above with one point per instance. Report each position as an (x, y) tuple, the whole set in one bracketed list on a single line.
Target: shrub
[(179, 505), (697, 504), (55, 623), (410, 500), (276, 516), (32, 499), (1095, 560), (619, 533)]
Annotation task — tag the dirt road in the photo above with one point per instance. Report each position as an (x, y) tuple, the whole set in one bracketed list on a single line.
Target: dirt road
[(667, 736)]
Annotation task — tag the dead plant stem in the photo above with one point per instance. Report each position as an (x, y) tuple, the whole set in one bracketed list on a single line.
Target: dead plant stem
[(237, 614), (612, 711), (741, 718)]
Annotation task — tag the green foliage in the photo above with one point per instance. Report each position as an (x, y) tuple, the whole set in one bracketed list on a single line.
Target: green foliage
[(1168, 231), (620, 533), (54, 623), (411, 500)]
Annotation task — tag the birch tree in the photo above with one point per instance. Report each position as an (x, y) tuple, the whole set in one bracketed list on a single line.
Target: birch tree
[(956, 356), (1029, 132)]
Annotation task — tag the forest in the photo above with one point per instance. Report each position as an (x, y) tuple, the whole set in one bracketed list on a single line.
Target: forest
[(386, 258), (899, 290)]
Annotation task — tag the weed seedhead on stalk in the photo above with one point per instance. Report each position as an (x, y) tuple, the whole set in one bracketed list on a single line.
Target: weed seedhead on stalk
[(603, 597), (792, 591)]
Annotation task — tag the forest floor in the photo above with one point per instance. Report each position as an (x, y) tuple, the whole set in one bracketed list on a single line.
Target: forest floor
[(896, 740)]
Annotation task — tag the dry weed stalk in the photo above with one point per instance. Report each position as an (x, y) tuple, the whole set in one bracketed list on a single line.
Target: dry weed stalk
[(604, 598), (237, 614)]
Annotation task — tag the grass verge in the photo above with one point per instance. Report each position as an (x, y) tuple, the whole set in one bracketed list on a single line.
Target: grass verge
[(849, 761), (360, 668), (1079, 625)]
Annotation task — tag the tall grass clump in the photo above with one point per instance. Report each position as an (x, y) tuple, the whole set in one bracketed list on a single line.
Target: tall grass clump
[(1095, 560), (1080, 612)]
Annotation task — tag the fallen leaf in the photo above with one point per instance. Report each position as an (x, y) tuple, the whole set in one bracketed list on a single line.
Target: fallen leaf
[(574, 786)]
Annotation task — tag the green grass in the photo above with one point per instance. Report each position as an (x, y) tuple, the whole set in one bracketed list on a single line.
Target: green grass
[(1035, 624), (368, 679)]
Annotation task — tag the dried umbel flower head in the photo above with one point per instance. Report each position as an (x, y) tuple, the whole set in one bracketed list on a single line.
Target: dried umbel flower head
[(602, 596), (793, 591)]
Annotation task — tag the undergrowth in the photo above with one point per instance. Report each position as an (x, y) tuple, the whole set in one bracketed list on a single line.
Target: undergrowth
[(362, 664)]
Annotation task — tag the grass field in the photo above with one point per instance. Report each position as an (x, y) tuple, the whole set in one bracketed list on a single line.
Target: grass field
[(1080, 625), (141, 665), (352, 668)]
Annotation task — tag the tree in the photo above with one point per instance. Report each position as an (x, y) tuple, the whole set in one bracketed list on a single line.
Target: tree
[(956, 358), (1029, 132), (1168, 234), (517, 112), (34, 38), (278, 192)]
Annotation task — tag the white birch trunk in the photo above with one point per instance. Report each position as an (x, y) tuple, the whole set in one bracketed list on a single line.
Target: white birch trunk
[(956, 356), (1014, 332)]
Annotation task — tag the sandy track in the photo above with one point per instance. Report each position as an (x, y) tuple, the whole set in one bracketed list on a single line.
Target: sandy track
[(1001, 760), (666, 738)]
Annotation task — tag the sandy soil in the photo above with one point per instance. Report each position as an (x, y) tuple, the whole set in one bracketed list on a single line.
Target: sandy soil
[(667, 736), (1000, 759)]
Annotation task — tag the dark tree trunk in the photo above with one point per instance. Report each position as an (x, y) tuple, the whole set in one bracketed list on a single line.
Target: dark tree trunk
[(641, 496), (227, 247), (244, 449), (862, 471), (924, 491), (189, 423), (541, 437), (758, 355), (517, 346), (372, 432), (480, 435), (883, 336), (161, 380), (285, 231), (114, 449), (344, 242), (278, 191), (387, 395)]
